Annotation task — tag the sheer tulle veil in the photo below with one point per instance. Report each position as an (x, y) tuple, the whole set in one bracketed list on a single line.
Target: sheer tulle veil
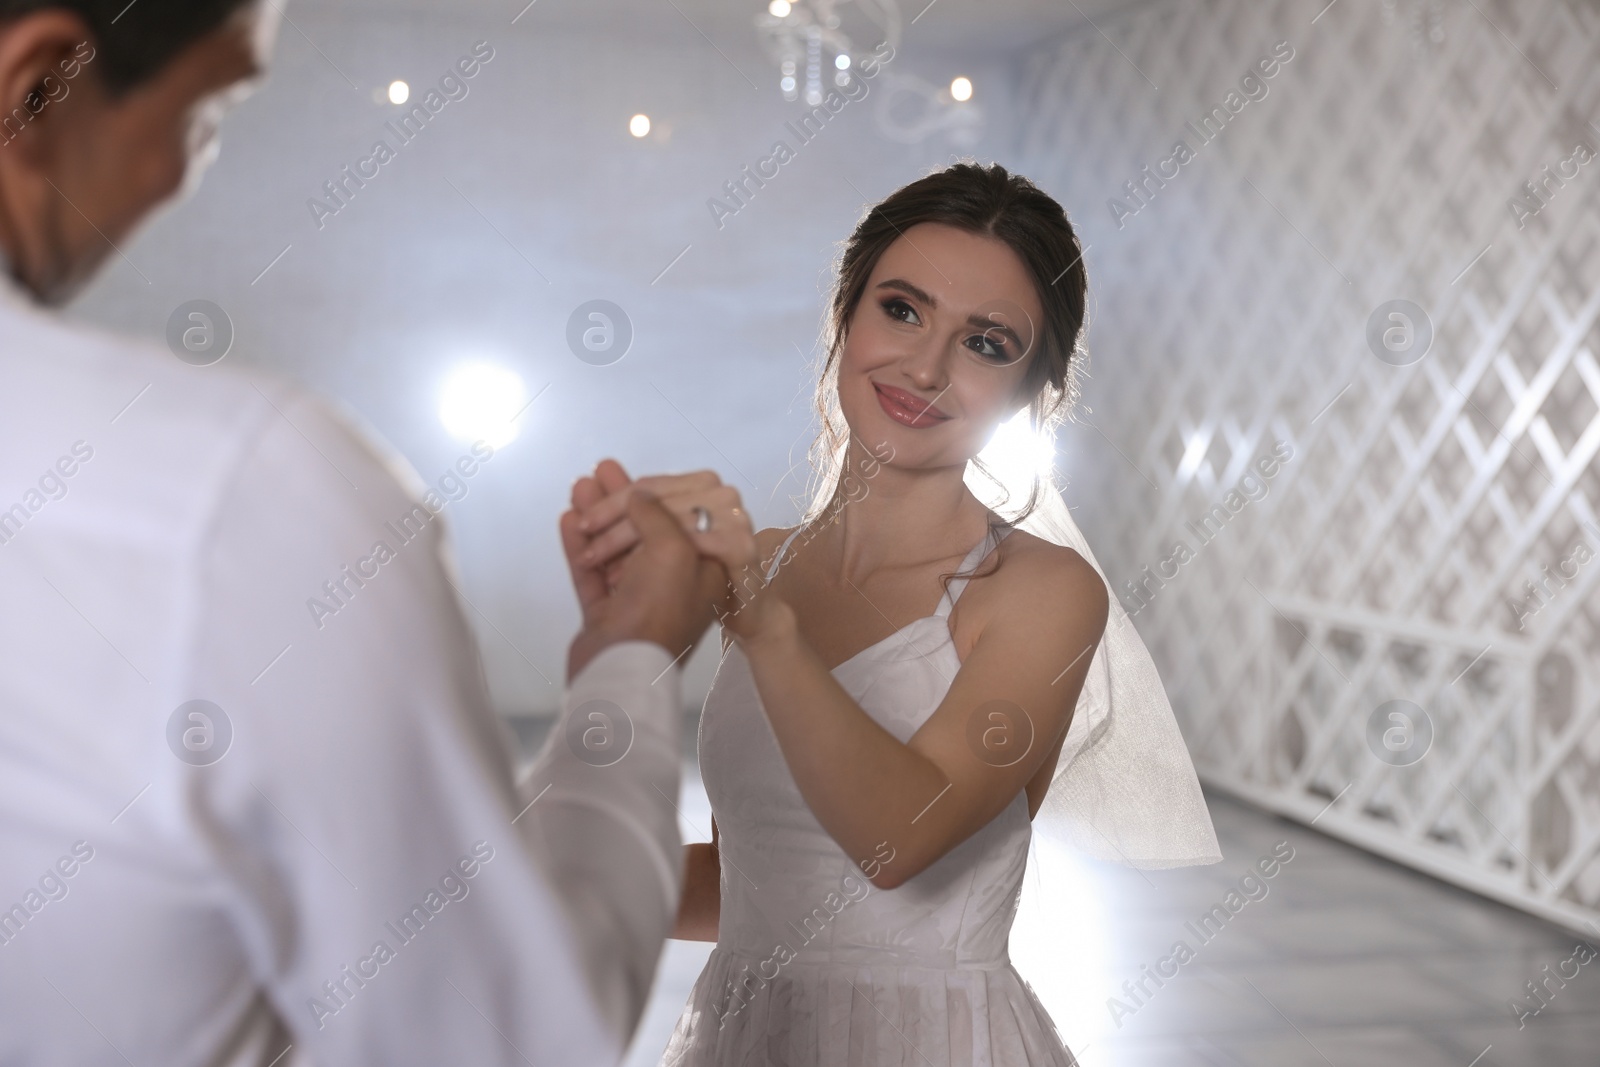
[(1124, 788)]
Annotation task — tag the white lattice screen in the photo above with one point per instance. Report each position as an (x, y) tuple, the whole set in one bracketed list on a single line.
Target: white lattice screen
[(1381, 560)]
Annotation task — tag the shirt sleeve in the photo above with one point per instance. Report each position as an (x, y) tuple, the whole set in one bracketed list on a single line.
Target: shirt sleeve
[(602, 797), (402, 897)]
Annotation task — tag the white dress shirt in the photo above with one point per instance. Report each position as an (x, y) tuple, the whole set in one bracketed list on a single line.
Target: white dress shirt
[(357, 878)]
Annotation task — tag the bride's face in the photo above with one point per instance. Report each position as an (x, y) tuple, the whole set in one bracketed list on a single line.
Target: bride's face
[(937, 346)]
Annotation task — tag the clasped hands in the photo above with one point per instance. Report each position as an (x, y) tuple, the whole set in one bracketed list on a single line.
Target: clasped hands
[(643, 571)]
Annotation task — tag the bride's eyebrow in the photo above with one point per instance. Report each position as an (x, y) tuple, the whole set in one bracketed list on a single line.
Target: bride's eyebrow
[(907, 287)]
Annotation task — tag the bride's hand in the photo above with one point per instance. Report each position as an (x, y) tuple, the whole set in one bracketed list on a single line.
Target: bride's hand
[(730, 539)]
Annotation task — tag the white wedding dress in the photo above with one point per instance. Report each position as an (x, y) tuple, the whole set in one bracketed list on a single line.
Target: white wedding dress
[(814, 966)]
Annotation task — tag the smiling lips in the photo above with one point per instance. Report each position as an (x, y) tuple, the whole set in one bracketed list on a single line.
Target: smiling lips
[(908, 409)]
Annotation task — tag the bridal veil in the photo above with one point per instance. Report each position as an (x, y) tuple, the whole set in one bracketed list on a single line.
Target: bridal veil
[(1124, 788)]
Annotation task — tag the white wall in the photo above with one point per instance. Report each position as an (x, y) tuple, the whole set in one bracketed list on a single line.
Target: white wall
[(1391, 557)]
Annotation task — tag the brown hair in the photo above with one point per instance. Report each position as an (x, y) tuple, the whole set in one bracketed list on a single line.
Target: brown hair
[(985, 200)]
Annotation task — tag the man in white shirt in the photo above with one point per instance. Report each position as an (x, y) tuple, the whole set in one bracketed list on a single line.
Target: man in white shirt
[(232, 830)]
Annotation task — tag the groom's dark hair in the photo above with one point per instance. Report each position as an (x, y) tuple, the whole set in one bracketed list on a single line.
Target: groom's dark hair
[(134, 41)]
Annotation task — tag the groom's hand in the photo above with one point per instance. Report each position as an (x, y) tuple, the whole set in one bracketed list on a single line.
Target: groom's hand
[(591, 581), (665, 589)]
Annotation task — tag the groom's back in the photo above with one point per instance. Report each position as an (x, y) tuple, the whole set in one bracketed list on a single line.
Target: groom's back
[(114, 459)]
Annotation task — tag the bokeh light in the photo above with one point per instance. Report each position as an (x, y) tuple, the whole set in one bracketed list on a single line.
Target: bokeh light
[(480, 402)]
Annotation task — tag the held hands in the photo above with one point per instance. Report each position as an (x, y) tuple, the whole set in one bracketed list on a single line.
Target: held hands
[(605, 514), (663, 591)]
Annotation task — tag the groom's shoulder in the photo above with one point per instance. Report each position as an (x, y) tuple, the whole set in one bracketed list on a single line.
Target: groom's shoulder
[(173, 436), (68, 369)]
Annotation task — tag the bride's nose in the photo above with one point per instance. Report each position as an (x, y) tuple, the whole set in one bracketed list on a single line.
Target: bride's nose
[(927, 364)]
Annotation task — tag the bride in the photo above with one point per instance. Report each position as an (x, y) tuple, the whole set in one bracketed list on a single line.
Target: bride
[(900, 671)]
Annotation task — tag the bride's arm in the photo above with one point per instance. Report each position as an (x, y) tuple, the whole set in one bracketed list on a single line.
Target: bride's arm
[(701, 903), (897, 808)]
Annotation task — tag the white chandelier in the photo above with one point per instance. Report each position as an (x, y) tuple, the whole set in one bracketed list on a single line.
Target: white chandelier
[(811, 41)]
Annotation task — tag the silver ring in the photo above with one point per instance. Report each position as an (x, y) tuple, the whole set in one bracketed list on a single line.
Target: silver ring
[(702, 519)]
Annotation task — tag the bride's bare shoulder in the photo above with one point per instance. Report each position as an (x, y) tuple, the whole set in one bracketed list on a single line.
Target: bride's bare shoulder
[(1046, 560), (1039, 575), (1038, 583)]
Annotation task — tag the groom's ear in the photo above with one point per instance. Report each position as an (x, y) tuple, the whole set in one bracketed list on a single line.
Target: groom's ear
[(40, 107), (37, 52)]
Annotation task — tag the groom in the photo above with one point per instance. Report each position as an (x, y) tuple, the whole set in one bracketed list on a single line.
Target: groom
[(229, 835)]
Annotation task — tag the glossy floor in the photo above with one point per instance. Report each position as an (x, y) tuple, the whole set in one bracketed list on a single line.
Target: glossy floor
[(1340, 958)]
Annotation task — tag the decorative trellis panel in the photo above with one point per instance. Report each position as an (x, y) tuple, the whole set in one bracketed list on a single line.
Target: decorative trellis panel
[(1381, 560)]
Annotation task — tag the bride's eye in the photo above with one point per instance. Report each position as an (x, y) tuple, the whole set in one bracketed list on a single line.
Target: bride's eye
[(901, 311), (990, 347)]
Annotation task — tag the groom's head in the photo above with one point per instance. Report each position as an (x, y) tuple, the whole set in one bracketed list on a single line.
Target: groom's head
[(107, 109)]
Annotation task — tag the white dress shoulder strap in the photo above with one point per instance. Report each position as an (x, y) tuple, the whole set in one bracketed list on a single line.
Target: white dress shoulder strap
[(772, 568), (978, 554)]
